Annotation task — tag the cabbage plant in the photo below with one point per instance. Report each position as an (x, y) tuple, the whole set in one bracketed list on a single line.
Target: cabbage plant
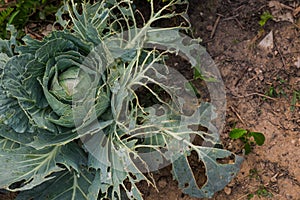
[(75, 120)]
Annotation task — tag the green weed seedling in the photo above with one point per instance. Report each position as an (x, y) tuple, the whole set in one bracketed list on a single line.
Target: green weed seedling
[(295, 99), (277, 89), (250, 196), (246, 136), (263, 192), (264, 18)]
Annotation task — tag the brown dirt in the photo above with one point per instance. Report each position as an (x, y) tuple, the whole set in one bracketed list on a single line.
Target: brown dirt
[(251, 75)]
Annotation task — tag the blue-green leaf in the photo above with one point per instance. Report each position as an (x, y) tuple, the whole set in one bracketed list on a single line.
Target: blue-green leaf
[(218, 175), (33, 167), (28, 165), (41, 138), (69, 185)]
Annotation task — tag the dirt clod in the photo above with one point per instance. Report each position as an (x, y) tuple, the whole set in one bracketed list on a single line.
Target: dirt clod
[(162, 183)]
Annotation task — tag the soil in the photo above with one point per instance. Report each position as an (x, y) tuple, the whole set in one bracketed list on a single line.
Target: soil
[(260, 84)]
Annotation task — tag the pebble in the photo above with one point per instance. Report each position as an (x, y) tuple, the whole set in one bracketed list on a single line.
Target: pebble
[(209, 27), (230, 146), (227, 190)]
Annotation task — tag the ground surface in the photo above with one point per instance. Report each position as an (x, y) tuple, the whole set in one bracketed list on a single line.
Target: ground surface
[(251, 75), (260, 84)]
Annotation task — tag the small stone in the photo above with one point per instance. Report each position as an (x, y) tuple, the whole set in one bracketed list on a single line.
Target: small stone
[(268, 42), (209, 27), (227, 190), (230, 146)]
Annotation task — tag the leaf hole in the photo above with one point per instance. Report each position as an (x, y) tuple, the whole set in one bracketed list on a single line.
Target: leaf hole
[(128, 185), (147, 98), (132, 176), (198, 169), (226, 160), (19, 184), (196, 139), (186, 185)]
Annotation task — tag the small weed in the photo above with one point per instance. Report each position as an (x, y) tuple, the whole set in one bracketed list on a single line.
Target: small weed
[(263, 192), (264, 18), (277, 89), (253, 173), (250, 196), (272, 92), (246, 136), (295, 99), (199, 75)]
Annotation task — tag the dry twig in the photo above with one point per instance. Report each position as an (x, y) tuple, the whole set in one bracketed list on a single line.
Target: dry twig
[(238, 115), (215, 27), (255, 93)]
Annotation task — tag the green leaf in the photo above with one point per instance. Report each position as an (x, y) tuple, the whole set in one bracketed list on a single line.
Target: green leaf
[(247, 148), (295, 98), (28, 165), (197, 74), (10, 111), (66, 184), (22, 108), (237, 133), (258, 137), (264, 18), (40, 138), (115, 164), (87, 25), (3, 60), (33, 167), (11, 114), (72, 156), (218, 175), (8, 144), (6, 46)]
